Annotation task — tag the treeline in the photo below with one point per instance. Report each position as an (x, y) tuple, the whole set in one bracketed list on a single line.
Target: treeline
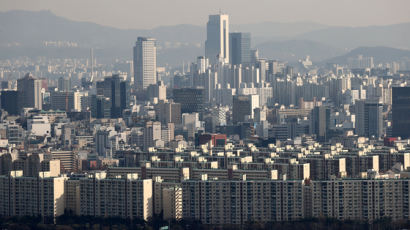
[(71, 222)]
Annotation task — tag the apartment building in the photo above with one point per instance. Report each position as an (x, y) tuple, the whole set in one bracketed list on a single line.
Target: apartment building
[(121, 196), (31, 196), (237, 202)]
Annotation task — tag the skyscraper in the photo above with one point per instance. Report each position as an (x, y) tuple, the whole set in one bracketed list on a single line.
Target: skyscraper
[(243, 107), (152, 133), (62, 100), (124, 95), (117, 91), (320, 121), (100, 107), (240, 48), (217, 39), (102, 142), (192, 100), (401, 112), (145, 63), (369, 118), (29, 90), (7, 103)]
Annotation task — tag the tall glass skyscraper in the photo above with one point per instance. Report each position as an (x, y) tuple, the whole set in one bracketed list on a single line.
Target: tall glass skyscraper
[(217, 39), (240, 48), (401, 112), (145, 63)]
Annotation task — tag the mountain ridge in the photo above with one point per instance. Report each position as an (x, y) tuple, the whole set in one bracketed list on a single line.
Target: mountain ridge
[(24, 32)]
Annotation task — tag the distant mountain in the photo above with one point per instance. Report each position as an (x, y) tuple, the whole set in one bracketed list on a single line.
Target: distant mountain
[(24, 33), (294, 50), (276, 31), (33, 26), (380, 54), (396, 36)]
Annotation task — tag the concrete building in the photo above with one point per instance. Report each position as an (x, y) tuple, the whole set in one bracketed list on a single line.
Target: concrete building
[(9, 101), (240, 48), (237, 202), (369, 118), (152, 134), (64, 84), (401, 112), (72, 195), (217, 39), (360, 199), (172, 203), (68, 160), (126, 197), (159, 91), (168, 112), (102, 143), (243, 107), (202, 64), (29, 90), (32, 196), (100, 106), (117, 91), (320, 119), (191, 100), (62, 100), (145, 63), (167, 199), (39, 126)]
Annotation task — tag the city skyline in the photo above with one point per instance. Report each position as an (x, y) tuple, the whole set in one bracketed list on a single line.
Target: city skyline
[(231, 139), (146, 15)]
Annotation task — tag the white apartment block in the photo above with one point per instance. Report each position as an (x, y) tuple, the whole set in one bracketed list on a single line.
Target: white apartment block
[(31, 196), (236, 202), (126, 197), (361, 199)]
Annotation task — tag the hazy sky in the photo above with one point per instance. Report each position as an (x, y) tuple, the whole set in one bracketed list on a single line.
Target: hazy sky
[(141, 14)]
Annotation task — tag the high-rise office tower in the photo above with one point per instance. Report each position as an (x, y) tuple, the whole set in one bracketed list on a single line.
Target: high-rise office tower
[(168, 112), (117, 90), (217, 39), (8, 102), (102, 143), (369, 118), (191, 100), (124, 96), (145, 63), (62, 100), (240, 48), (113, 84), (401, 111), (243, 107), (320, 120), (152, 133), (29, 90), (100, 107)]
